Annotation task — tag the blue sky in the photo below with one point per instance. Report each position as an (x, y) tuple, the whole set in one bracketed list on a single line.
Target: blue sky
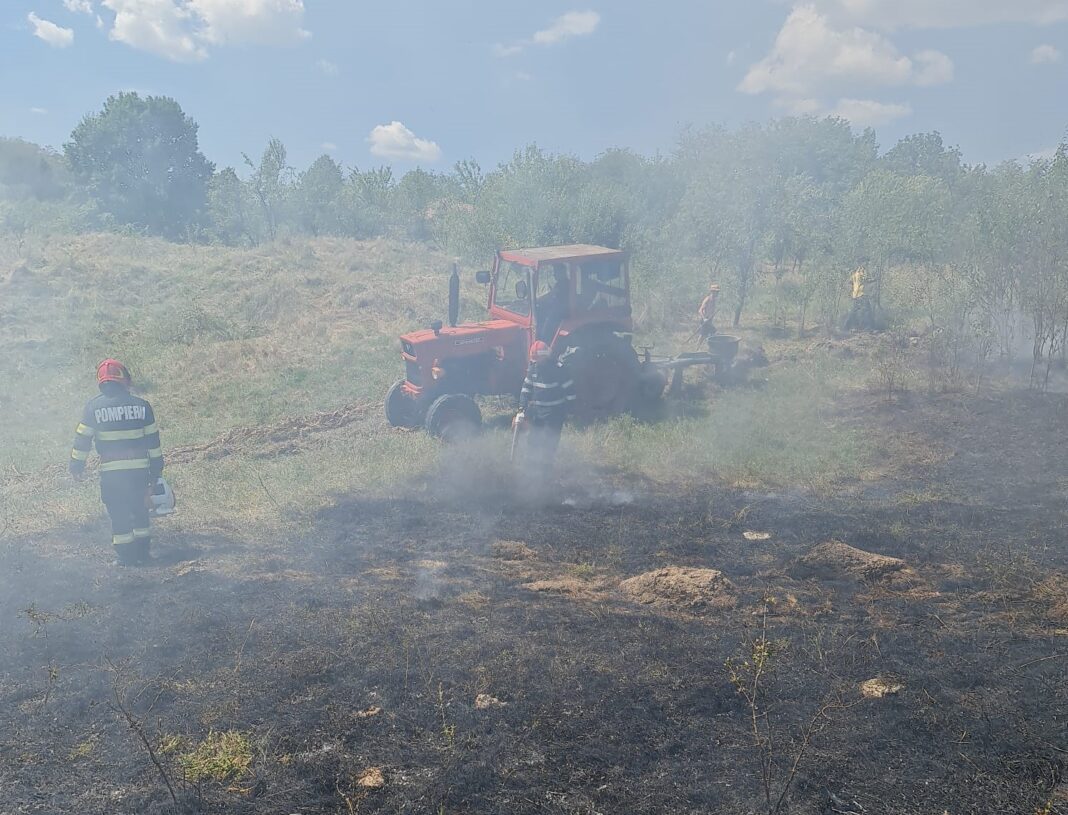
[(428, 83)]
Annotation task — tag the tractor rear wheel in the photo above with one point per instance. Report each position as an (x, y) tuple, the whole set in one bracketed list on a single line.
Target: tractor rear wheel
[(401, 409), (606, 372), (453, 417)]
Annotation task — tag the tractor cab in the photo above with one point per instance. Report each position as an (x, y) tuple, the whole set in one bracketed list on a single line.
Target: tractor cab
[(555, 291), (574, 298)]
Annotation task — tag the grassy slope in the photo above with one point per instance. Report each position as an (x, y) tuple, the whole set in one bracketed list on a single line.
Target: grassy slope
[(227, 338)]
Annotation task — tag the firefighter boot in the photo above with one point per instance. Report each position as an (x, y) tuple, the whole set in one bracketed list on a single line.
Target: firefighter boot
[(126, 554), (142, 551)]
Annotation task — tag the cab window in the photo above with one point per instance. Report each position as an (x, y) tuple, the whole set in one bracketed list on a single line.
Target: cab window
[(601, 285), (513, 291)]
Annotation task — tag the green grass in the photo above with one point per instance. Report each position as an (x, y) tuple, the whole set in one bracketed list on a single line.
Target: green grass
[(225, 756), (784, 433), (222, 338)]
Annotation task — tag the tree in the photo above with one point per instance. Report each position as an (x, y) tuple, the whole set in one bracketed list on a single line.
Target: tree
[(726, 213), (140, 162), (271, 182), (320, 192), (30, 171), (229, 209), (925, 154)]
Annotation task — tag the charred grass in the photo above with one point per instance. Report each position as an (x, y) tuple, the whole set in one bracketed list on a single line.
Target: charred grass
[(350, 662), (344, 618)]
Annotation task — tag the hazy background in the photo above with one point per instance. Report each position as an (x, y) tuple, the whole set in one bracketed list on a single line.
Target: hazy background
[(476, 78)]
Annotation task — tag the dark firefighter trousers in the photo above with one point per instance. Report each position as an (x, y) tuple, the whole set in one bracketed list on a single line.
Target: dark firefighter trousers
[(123, 493), (542, 443)]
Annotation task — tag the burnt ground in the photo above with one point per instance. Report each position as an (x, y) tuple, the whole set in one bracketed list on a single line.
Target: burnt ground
[(417, 605)]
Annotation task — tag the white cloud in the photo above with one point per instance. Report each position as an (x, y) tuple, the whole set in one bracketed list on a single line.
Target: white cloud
[(79, 6), (160, 27), (890, 15), (1045, 55), (1040, 155), (49, 32), (932, 68), (396, 141), (523, 76), (329, 146), (564, 27), (841, 48), (181, 30), (860, 112), (38, 111), (572, 24), (731, 56), (869, 113), (810, 54), (327, 67), (267, 22)]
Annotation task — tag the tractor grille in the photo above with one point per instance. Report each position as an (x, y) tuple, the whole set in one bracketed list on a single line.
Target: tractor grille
[(411, 372)]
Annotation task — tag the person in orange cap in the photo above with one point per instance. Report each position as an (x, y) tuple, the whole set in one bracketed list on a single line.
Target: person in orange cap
[(706, 312)]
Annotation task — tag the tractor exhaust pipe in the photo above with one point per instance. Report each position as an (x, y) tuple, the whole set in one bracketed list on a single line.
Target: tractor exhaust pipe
[(454, 296)]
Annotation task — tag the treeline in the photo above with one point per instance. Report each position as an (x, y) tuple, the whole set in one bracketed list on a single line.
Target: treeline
[(977, 256)]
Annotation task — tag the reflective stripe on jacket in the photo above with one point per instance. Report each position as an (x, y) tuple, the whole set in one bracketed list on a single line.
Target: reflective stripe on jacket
[(123, 427), (548, 391)]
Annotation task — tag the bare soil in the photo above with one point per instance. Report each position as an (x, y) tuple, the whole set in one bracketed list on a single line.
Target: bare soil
[(355, 654), (684, 589)]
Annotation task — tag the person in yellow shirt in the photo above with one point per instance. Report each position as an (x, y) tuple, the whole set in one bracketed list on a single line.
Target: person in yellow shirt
[(860, 313)]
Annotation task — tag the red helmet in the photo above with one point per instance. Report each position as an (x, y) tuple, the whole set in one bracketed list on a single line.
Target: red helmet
[(539, 351), (111, 370)]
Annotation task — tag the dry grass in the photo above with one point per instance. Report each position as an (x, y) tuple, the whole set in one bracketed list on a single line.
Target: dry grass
[(239, 349), (223, 342)]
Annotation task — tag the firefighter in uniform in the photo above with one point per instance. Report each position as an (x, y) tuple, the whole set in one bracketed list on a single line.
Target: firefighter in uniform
[(123, 427), (547, 394)]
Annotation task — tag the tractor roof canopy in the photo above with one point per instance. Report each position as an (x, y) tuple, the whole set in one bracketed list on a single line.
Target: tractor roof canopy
[(559, 254)]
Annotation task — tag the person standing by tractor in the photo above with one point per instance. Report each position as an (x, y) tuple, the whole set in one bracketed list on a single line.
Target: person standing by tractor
[(123, 427), (706, 312), (547, 395), (552, 306)]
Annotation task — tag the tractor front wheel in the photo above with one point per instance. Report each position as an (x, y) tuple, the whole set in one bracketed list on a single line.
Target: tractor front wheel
[(401, 409), (453, 417)]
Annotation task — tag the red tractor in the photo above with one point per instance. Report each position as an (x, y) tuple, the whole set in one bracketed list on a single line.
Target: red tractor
[(575, 298)]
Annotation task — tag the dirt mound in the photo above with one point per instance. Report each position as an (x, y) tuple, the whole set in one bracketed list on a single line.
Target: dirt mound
[(842, 560), (680, 588), (486, 702), (879, 687), (512, 550), (372, 778)]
